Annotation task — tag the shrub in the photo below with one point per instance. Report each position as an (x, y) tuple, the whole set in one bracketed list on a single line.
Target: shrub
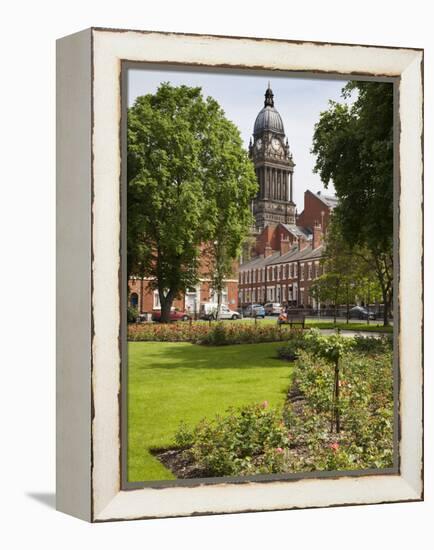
[(294, 344), (249, 440), (365, 407), (132, 314), (218, 334), (256, 439), (184, 436), (372, 344)]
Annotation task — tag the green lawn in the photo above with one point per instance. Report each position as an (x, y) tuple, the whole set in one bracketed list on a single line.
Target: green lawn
[(356, 325), (170, 382), (373, 326)]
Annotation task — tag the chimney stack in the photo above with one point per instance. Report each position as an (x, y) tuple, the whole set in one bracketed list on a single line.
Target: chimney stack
[(302, 243), (267, 251), (317, 238), (285, 244)]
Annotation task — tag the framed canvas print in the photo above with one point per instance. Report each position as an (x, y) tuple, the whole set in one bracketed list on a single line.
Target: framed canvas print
[(239, 274)]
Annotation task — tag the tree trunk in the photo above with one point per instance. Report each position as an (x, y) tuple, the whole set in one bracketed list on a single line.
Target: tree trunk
[(348, 305), (334, 306), (166, 305), (369, 299), (386, 302), (219, 303), (386, 283), (336, 413)]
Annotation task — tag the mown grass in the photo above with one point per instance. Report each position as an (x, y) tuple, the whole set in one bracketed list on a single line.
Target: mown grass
[(356, 325), (170, 382), (343, 325)]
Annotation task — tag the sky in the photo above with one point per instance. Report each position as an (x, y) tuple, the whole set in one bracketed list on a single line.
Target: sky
[(298, 100)]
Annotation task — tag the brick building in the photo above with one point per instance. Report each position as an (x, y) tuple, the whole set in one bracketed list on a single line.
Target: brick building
[(146, 300), (285, 257)]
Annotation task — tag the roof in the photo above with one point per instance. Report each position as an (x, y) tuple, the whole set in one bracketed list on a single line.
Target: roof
[(298, 230), (268, 118), (329, 200), (276, 258)]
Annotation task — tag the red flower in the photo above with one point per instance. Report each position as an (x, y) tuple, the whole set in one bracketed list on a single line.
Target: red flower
[(334, 446), (279, 450)]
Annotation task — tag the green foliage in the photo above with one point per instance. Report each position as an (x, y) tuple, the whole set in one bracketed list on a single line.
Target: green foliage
[(372, 344), (294, 343), (217, 334), (349, 272), (330, 347), (366, 413), (189, 182), (256, 439), (353, 144), (132, 314), (246, 441), (183, 436)]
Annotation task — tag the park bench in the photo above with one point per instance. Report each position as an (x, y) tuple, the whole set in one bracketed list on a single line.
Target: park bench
[(291, 318)]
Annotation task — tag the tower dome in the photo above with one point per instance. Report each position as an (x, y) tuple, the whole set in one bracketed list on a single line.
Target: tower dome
[(268, 118)]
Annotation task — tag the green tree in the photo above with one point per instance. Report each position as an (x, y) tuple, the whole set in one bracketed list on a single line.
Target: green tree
[(331, 348), (230, 186), (348, 272), (338, 283), (186, 164), (328, 288), (353, 144)]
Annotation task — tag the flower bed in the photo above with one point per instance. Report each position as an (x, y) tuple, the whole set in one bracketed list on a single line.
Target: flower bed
[(303, 437), (245, 441), (216, 334), (365, 439)]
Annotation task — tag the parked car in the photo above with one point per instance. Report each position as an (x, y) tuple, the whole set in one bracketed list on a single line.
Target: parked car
[(209, 311), (254, 310), (175, 315), (359, 312), (272, 308)]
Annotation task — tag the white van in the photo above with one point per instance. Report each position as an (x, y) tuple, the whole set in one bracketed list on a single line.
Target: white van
[(208, 310)]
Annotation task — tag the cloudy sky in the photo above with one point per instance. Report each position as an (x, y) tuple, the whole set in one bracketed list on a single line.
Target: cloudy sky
[(299, 102)]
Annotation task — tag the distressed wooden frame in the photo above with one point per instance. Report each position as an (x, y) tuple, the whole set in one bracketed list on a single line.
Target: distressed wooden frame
[(89, 481)]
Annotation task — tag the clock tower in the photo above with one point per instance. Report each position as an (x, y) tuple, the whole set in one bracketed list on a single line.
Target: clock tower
[(274, 168)]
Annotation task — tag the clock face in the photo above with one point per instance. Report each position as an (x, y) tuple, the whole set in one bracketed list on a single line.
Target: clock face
[(259, 144), (275, 143)]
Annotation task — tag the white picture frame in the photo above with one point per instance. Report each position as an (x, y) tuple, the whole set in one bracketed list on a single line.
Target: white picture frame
[(89, 204)]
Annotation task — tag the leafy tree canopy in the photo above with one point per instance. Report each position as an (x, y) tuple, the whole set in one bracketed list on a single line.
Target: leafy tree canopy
[(353, 143), (189, 182)]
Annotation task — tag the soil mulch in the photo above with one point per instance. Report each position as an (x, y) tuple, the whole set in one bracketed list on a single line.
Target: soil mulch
[(179, 463)]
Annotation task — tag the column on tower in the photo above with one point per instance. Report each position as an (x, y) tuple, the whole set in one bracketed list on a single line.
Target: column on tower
[(282, 196), (266, 182), (290, 186), (279, 183)]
